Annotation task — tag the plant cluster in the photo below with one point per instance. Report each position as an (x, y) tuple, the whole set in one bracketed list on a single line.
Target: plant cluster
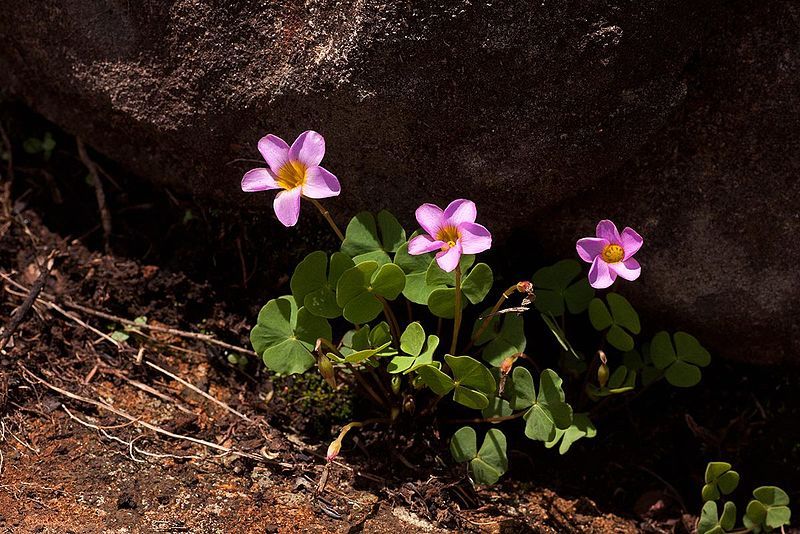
[(402, 317), (767, 511)]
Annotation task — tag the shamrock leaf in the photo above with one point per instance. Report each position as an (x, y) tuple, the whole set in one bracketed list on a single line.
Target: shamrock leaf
[(284, 337), (416, 348), (720, 480), (554, 289), (769, 510), (417, 289), (547, 410), (360, 289), (641, 364), (367, 241), (620, 322), (364, 343), (711, 523), (581, 427), (505, 336), (680, 362), (314, 284), (475, 285), (472, 382), (487, 464)]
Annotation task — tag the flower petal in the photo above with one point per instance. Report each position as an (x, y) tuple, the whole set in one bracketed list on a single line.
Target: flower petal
[(460, 211), (287, 206), (448, 259), (259, 180), (608, 230), (628, 269), (600, 276), (474, 238), (422, 244), (320, 184), (308, 148), (631, 242), (590, 247), (274, 150), (430, 217)]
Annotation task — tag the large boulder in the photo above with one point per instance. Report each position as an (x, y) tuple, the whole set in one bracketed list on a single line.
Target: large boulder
[(717, 194), (523, 101)]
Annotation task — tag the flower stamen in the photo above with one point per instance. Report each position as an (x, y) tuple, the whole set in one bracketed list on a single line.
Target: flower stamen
[(613, 253), (292, 174), (450, 235)]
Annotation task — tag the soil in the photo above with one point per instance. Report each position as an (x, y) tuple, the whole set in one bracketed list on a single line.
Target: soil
[(76, 456)]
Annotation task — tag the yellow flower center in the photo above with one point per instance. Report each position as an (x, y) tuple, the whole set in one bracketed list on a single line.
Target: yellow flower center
[(613, 253), (292, 174), (450, 235)]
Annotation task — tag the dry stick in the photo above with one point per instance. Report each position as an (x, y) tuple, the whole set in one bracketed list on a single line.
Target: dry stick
[(6, 194), (148, 389), (199, 391), (133, 419), (105, 215), (207, 338), (16, 319)]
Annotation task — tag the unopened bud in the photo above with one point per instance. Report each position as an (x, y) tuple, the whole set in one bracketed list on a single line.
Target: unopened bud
[(525, 286), (326, 370), (602, 375), (333, 449), (417, 382), (396, 383), (409, 406), (508, 363)]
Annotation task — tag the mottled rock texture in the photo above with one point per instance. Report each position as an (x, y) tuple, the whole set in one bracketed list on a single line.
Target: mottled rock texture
[(679, 118)]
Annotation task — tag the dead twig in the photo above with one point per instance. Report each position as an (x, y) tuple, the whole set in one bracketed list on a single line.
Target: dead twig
[(20, 313), (198, 391), (105, 215), (135, 420)]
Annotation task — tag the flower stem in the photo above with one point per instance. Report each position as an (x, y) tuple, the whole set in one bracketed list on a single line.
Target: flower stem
[(392, 320), (457, 319), (326, 214), (488, 317)]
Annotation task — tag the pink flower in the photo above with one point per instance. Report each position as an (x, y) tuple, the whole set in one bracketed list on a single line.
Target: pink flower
[(610, 254), (296, 170), (452, 232)]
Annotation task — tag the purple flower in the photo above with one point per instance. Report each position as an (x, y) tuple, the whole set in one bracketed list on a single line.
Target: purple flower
[(452, 232), (296, 170), (610, 254)]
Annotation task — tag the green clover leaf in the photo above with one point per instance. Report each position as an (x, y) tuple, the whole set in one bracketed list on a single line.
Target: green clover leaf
[(416, 268), (360, 287), (769, 510), (581, 427), (720, 480), (554, 289), (711, 523), (284, 336), (680, 362), (472, 382), (416, 348), (314, 284), (547, 410), (367, 241), (620, 322), (487, 464), (474, 286)]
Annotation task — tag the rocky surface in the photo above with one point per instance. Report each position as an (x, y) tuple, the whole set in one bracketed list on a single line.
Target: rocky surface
[(675, 118), (717, 193), (498, 99)]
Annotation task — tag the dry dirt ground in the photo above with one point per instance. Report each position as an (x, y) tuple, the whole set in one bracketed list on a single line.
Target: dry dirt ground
[(151, 429)]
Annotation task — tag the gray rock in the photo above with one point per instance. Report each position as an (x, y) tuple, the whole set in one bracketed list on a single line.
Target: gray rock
[(717, 195), (418, 100)]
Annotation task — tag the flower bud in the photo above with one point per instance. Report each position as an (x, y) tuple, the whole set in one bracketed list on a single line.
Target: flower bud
[(333, 449), (524, 286), (602, 375), (409, 406), (326, 370), (396, 383)]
